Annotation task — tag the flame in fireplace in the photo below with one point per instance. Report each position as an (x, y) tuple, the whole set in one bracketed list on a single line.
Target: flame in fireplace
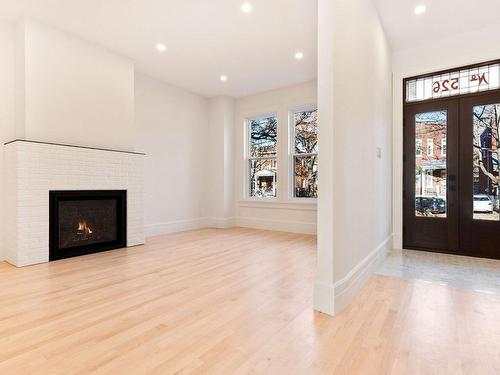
[(83, 228)]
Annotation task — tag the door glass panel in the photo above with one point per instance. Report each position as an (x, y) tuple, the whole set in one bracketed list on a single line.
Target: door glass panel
[(430, 164), (486, 121)]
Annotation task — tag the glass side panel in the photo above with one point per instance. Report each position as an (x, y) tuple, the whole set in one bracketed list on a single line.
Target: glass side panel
[(430, 164), (263, 178), (263, 137), (486, 120)]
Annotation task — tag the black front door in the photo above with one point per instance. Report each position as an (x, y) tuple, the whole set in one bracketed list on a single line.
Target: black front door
[(451, 175), (479, 177), (430, 197)]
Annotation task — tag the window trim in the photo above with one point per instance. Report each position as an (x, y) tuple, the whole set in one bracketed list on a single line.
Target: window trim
[(430, 147), (291, 155), (444, 145), (419, 152), (247, 158)]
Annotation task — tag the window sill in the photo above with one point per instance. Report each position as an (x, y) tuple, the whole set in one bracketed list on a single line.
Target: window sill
[(295, 204)]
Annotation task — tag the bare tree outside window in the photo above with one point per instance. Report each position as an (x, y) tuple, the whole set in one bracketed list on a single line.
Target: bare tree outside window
[(305, 156), (486, 156)]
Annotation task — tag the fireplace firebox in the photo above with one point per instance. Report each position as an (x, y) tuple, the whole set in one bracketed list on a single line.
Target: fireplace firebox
[(86, 221)]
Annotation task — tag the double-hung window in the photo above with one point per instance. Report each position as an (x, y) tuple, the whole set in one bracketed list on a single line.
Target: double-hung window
[(262, 156), (305, 153), (418, 148), (443, 147), (430, 148)]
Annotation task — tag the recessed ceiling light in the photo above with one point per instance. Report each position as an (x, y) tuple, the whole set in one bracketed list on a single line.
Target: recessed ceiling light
[(299, 55), (223, 78), (420, 9), (161, 47), (246, 8)]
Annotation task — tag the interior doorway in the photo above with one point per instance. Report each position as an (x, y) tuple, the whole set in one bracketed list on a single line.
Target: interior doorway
[(451, 161)]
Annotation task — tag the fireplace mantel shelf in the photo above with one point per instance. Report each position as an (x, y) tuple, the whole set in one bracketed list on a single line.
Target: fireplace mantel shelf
[(74, 146)]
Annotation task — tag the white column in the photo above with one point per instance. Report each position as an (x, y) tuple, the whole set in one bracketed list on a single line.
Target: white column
[(220, 189), (7, 112), (324, 287), (355, 113)]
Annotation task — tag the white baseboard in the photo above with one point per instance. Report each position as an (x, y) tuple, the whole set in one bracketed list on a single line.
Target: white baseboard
[(398, 240), (221, 222), (174, 226), (324, 297), (348, 287), (189, 224), (276, 225)]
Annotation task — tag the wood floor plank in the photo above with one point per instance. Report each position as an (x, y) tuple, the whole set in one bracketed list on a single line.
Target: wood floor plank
[(234, 301)]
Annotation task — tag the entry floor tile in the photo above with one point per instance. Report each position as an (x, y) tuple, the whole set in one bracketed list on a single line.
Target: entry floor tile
[(481, 275)]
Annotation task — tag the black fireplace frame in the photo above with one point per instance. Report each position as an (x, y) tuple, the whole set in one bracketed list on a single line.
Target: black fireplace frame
[(55, 196)]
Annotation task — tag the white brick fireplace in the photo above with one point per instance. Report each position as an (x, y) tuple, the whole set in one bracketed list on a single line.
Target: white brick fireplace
[(32, 169)]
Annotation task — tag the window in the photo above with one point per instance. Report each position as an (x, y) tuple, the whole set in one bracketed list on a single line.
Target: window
[(428, 173), (418, 148), (430, 170), (459, 82), (305, 153), (262, 155), (443, 147), (485, 161), (430, 148)]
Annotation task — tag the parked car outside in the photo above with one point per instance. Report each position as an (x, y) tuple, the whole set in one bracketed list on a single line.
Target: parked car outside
[(433, 205), (483, 203)]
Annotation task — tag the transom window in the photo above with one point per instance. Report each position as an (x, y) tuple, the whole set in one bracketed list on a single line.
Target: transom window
[(262, 156), (305, 153), (462, 81)]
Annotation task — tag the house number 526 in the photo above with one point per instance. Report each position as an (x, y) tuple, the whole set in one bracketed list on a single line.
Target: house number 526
[(446, 85)]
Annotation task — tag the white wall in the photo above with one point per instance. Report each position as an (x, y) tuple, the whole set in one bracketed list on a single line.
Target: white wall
[(7, 88), (74, 92), (283, 213), (172, 129), (446, 53), (56, 87), (356, 120), (70, 91)]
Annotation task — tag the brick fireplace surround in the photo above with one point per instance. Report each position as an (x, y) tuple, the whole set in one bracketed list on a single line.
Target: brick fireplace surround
[(32, 169)]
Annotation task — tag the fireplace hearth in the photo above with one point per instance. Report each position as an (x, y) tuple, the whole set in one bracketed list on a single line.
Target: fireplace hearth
[(84, 222)]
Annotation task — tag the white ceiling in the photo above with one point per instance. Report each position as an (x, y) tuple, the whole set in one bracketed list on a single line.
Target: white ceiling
[(205, 38), (443, 18)]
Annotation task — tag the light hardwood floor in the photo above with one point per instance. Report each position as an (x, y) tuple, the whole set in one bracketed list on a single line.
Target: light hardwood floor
[(232, 301)]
